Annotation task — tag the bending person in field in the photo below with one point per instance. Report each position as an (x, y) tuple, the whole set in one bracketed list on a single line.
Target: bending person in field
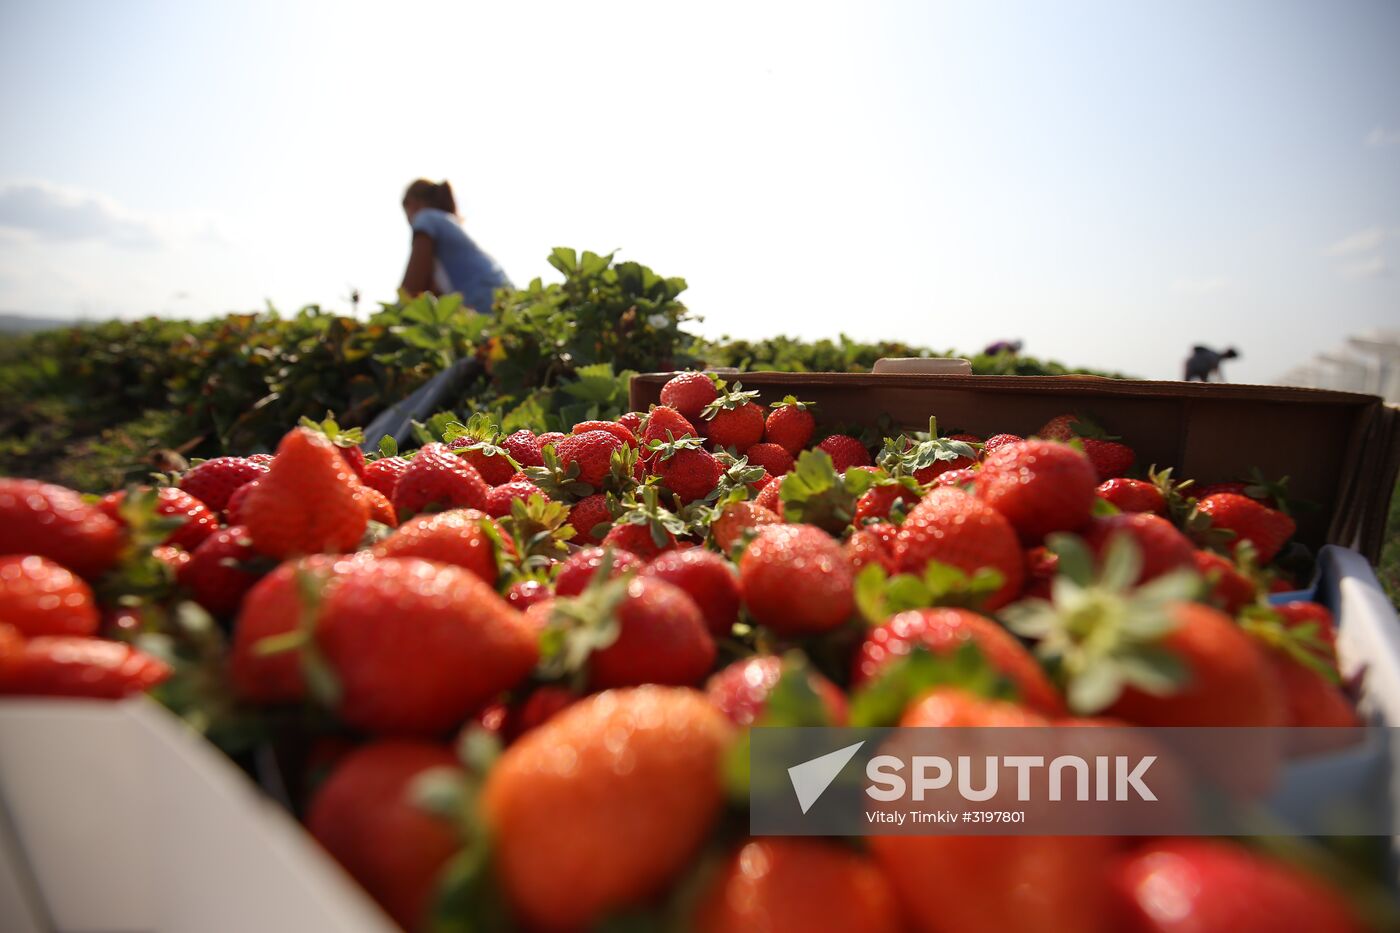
[(444, 259), (1204, 363)]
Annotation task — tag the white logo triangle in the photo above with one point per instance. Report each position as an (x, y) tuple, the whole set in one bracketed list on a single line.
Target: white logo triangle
[(811, 778)]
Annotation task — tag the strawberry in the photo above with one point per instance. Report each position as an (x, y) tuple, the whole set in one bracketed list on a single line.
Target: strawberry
[(770, 496), (260, 458), (790, 425), (789, 885), (638, 539), (549, 438), (992, 884), (1214, 886), (234, 510), (378, 506), (1059, 428), (741, 690), (587, 514), (592, 451), (216, 576), (1110, 458), (845, 452), (612, 427), (438, 479), (876, 502), (54, 522), (1231, 682), (525, 593), (772, 457), (544, 703), (661, 636), (998, 441), (872, 544), (1230, 590), (943, 631), (1301, 612), (365, 816), (580, 567), (1040, 486), (1133, 495), (347, 442), (197, 522), (686, 468), (38, 597), (354, 458), (491, 462), (737, 521), (689, 393), (213, 481), (705, 577), (645, 527), (458, 537), (75, 666), (663, 423), (273, 607), (957, 479), (956, 529), (632, 421), (523, 447), (307, 503), (1313, 699), (1265, 528), (500, 497), (1162, 547), (384, 474), (417, 646), (622, 821), (795, 580), (733, 420)]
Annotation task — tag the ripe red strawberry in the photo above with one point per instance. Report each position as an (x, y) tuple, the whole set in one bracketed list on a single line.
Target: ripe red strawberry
[(689, 393), (365, 816), (979, 884), (1313, 699), (738, 519), (172, 557), (417, 646), (953, 528), (632, 421), (998, 441), (741, 690), (1041, 566), (618, 825), (234, 510), (690, 472), (215, 576), (1110, 458), (438, 479), (580, 567), (498, 500), (213, 481), (526, 593), (524, 448), (612, 427), (273, 606), (354, 458), (383, 474), (1058, 428), (790, 425), (770, 496), (1040, 486), (1133, 495), (943, 631), (1230, 590), (957, 479), (845, 452), (551, 437), (1267, 529), (544, 703), (198, 521), (795, 580), (772, 457), (663, 421), (661, 639), (706, 578), (1231, 681), (877, 501), (260, 458), (1211, 886), (790, 885), (1301, 612), (308, 502), (637, 539), (491, 462), (592, 451), (457, 537), (377, 505), (587, 514), (75, 666), (1260, 489), (1163, 548), (873, 544), (38, 597), (55, 522), (737, 428)]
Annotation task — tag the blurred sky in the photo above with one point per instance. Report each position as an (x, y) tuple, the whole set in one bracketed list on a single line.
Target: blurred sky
[(1110, 182)]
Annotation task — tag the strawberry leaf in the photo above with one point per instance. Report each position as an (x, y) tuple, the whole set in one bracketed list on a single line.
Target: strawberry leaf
[(882, 701)]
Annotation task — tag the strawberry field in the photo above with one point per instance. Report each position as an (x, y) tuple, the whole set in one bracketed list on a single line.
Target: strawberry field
[(504, 670)]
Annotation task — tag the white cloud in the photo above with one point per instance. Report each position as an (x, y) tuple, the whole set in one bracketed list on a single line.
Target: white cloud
[(1209, 285), (52, 212), (1362, 241), (1382, 138), (1368, 268)]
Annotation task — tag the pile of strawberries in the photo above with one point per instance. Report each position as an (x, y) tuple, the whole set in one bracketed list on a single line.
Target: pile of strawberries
[(521, 667)]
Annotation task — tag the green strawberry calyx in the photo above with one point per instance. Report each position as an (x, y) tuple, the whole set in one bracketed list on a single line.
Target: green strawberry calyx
[(883, 700), (728, 400)]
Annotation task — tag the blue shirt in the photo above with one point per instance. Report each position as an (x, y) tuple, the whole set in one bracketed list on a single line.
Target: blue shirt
[(461, 265)]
